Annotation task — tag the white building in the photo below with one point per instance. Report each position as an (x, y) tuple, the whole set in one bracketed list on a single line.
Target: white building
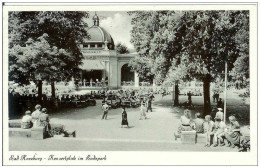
[(102, 63)]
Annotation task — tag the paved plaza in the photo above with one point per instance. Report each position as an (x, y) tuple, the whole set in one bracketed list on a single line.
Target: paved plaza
[(93, 134)]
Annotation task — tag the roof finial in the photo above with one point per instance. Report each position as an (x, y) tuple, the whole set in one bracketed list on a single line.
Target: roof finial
[(95, 19)]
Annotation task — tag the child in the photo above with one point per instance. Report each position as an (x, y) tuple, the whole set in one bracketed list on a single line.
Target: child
[(105, 109), (27, 120), (143, 109), (208, 127), (198, 123), (219, 132)]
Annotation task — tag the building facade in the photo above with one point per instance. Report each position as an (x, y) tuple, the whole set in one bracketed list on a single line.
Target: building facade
[(102, 64)]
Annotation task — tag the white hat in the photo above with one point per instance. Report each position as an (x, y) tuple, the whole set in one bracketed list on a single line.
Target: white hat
[(220, 109)]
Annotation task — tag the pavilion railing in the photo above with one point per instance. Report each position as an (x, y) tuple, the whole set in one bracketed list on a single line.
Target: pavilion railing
[(127, 83), (92, 84), (145, 84)]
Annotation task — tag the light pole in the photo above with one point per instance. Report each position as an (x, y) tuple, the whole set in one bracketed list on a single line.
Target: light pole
[(225, 93)]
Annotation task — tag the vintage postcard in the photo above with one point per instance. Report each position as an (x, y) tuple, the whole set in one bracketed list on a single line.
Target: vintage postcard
[(129, 84)]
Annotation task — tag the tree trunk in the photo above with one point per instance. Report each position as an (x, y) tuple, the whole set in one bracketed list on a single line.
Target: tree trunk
[(176, 99), (52, 89), (40, 91), (206, 94)]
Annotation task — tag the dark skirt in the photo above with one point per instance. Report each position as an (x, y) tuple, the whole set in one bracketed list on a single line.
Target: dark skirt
[(233, 138), (124, 122)]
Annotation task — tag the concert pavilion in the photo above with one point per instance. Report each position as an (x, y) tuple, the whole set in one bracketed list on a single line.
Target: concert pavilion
[(102, 62)]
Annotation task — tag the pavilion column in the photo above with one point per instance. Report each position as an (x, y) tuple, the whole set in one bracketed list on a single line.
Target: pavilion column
[(72, 83), (107, 71), (113, 73), (154, 83), (136, 80)]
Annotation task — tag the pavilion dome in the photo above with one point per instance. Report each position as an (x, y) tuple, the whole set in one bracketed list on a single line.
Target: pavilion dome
[(99, 35)]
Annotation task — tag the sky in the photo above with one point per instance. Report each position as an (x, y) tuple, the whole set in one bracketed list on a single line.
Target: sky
[(118, 24)]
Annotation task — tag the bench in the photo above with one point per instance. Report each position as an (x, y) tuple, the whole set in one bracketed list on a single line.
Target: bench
[(14, 124), (188, 137), (35, 133), (201, 138), (19, 132)]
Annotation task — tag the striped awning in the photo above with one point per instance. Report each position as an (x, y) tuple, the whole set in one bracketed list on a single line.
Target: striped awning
[(92, 65)]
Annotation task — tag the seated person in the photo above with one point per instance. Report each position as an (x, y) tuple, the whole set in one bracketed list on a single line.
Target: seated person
[(45, 122), (220, 114), (208, 129), (185, 124), (233, 133), (35, 116), (198, 121), (27, 120), (219, 132)]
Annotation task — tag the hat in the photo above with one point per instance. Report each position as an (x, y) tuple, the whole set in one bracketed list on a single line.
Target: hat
[(220, 109), (27, 112), (38, 106), (198, 115), (232, 118), (208, 117), (44, 110)]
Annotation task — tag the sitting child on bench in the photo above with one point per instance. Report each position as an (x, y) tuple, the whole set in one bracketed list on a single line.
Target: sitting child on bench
[(27, 120)]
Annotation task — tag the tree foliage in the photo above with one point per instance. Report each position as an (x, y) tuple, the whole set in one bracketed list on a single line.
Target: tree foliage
[(121, 48), (184, 45), (44, 45)]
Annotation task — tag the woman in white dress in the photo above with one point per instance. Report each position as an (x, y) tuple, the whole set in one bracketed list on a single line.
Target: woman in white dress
[(143, 109), (185, 124)]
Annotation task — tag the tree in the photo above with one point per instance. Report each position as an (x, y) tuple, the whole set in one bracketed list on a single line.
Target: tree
[(191, 45), (157, 37), (142, 67), (240, 73), (44, 46), (167, 43), (121, 48), (211, 41)]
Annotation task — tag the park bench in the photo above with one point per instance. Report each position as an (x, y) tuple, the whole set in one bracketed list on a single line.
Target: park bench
[(192, 137), (35, 133), (201, 138), (19, 132), (188, 137)]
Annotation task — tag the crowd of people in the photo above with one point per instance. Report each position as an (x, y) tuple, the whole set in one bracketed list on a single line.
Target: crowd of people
[(26, 98), (128, 98), (212, 126), (216, 131)]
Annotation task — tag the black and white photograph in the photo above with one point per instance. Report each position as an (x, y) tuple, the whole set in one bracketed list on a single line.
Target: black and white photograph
[(130, 78)]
